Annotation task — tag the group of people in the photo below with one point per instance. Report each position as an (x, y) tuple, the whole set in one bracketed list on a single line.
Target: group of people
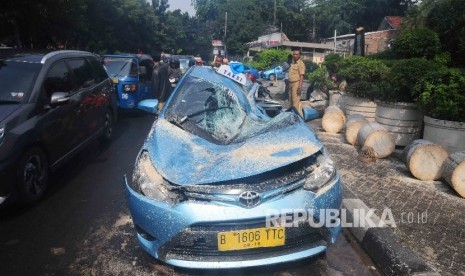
[(165, 74)]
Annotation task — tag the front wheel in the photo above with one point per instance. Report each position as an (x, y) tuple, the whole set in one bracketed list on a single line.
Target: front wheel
[(32, 175), (108, 126)]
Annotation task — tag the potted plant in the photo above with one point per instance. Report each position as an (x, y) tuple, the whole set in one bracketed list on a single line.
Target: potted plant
[(363, 76), (442, 99), (396, 109)]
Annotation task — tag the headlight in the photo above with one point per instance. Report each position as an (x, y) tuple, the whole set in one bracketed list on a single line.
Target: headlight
[(323, 172), (130, 88), (147, 181)]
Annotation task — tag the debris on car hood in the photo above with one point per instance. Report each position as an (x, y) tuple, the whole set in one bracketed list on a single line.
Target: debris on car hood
[(186, 159)]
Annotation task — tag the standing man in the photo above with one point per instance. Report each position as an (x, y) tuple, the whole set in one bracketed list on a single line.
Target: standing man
[(286, 65), (296, 79), (217, 61), (160, 81)]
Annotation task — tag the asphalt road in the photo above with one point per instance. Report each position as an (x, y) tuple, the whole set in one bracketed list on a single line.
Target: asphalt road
[(83, 227)]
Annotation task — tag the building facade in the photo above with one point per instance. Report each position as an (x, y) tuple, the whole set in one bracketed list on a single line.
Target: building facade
[(310, 51)]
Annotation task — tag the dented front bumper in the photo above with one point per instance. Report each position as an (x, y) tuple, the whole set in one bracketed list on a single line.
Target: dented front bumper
[(185, 234)]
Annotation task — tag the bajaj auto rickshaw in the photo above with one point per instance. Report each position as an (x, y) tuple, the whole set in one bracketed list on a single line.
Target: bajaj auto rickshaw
[(131, 74)]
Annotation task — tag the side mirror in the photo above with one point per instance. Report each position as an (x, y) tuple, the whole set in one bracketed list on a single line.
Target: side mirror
[(149, 105), (59, 98)]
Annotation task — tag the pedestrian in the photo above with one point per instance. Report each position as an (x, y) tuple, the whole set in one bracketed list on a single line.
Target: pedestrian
[(160, 82), (174, 71), (217, 61), (198, 60), (286, 65), (296, 79)]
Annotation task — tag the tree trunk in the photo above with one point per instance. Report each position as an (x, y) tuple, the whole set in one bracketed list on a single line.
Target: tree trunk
[(425, 159), (376, 137), (334, 119), (353, 125), (453, 171)]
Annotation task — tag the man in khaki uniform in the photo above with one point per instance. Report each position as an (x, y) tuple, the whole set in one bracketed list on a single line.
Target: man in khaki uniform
[(296, 79)]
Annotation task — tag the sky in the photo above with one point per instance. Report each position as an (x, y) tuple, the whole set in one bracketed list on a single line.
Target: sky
[(183, 5)]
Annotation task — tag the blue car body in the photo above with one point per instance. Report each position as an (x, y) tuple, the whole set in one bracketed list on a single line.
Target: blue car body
[(277, 72), (131, 74), (210, 174)]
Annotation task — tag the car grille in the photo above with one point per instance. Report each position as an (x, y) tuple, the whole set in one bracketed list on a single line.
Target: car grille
[(199, 242), (260, 183)]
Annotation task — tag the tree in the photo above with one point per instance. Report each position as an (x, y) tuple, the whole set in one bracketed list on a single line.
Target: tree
[(129, 25), (445, 17)]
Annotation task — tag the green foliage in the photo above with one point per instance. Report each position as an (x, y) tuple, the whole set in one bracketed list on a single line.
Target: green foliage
[(321, 80), (443, 59), (343, 15), (270, 58), (310, 66), (442, 95), (385, 55), (417, 43), (446, 18), (363, 76), (332, 63), (403, 76)]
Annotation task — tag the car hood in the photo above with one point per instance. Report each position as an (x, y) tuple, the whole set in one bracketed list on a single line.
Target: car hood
[(6, 110), (186, 159)]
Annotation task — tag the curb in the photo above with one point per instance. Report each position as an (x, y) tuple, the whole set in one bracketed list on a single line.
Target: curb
[(382, 245)]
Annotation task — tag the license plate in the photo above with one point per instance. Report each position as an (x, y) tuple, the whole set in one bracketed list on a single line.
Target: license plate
[(251, 238)]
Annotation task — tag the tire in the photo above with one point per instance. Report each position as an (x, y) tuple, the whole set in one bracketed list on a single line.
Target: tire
[(108, 126), (32, 176), (272, 77)]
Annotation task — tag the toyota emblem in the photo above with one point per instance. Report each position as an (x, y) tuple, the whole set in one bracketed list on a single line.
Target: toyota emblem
[(249, 198)]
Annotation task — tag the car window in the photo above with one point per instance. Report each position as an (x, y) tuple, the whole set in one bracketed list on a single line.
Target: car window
[(99, 72), (17, 80), (211, 106), (57, 79), (82, 72)]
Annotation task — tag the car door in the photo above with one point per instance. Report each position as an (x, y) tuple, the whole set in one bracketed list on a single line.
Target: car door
[(57, 125), (105, 96), (88, 99)]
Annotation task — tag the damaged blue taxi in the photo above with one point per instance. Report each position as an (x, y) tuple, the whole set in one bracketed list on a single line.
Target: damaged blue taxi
[(220, 161)]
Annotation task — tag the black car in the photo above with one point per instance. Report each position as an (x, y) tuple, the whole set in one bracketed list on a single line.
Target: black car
[(51, 106)]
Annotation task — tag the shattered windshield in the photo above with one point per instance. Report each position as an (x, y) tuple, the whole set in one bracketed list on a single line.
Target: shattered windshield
[(211, 106), (219, 109)]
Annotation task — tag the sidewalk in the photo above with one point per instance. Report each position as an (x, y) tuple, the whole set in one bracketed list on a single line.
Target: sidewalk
[(429, 216), (429, 237)]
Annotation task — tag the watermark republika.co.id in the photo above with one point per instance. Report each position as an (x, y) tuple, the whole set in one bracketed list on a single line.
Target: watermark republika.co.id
[(343, 217)]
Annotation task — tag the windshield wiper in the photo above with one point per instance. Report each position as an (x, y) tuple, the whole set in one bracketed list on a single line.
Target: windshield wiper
[(121, 69), (8, 102), (175, 121), (186, 117)]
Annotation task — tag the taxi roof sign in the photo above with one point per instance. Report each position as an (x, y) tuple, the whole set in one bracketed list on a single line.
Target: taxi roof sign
[(226, 71)]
